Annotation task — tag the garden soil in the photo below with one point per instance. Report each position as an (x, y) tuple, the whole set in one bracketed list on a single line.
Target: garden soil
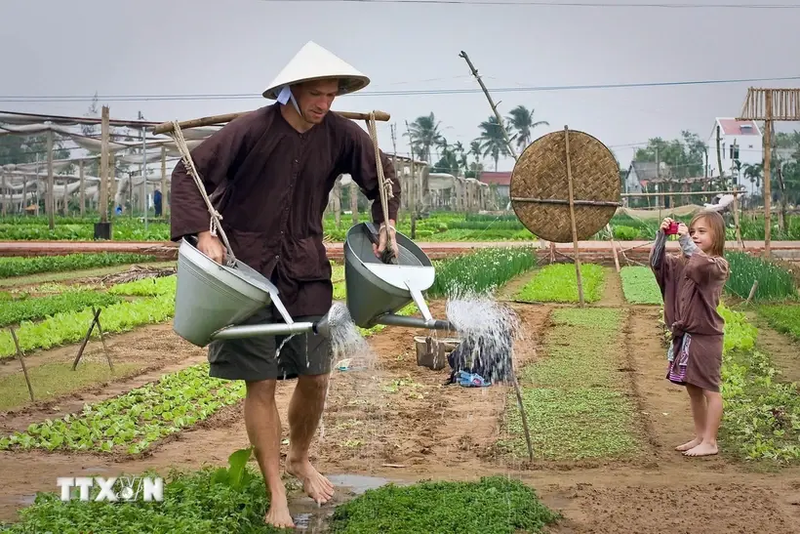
[(399, 421)]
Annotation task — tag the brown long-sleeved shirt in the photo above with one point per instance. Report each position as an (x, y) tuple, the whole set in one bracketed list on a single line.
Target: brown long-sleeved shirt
[(271, 184)]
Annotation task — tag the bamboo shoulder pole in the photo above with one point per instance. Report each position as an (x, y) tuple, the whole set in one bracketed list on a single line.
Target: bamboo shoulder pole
[(166, 127)]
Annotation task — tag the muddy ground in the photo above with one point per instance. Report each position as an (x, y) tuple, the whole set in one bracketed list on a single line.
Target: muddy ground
[(398, 421)]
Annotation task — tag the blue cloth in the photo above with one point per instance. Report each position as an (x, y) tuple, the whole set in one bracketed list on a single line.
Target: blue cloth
[(468, 380)]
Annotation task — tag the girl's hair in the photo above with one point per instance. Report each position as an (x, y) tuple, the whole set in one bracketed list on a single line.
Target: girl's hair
[(716, 224)]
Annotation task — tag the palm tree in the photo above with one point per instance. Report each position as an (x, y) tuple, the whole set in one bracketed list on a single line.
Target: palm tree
[(492, 141), (424, 133), (753, 172), (521, 121)]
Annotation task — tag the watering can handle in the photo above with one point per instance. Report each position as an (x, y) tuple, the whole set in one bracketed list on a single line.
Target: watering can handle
[(388, 255)]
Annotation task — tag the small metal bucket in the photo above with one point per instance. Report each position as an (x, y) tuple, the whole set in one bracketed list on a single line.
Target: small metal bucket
[(375, 290), (211, 296)]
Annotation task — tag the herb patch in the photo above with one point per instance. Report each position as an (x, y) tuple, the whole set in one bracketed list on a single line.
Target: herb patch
[(639, 285), (480, 272), (774, 282), (558, 283), (208, 500), (494, 505), (574, 396)]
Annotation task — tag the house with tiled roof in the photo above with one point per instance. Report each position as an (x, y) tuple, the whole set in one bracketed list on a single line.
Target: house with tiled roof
[(502, 181), (740, 141)]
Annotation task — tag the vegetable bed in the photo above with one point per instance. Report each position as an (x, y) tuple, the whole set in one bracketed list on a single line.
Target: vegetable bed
[(574, 397), (480, 272), (558, 283), (774, 282), (19, 266), (639, 285), (783, 318), (136, 419)]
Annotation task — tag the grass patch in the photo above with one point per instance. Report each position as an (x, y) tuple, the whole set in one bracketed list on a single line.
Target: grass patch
[(494, 505), (52, 380), (774, 282), (572, 397), (558, 283), (784, 319), (639, 285)]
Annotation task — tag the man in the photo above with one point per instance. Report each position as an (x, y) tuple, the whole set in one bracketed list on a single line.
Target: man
[(157, 201), (270, 173)]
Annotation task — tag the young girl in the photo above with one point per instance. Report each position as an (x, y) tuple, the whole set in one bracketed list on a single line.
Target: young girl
[(690, 285)]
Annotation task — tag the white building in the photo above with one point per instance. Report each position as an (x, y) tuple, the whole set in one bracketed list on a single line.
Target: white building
[(739, 141)]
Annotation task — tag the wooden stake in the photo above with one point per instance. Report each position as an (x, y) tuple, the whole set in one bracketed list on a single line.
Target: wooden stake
[(752, 292), (95, 320), (613, 246), (22, 363), (572, 219), (522, 413), (736, 220)]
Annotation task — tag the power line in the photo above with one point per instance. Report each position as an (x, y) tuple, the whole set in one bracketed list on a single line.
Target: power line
[(25, 99), (535, 3)]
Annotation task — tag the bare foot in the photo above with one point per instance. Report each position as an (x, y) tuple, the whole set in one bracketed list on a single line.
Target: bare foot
[(704, 449), (689, 445), (315, 485), (278, 514)]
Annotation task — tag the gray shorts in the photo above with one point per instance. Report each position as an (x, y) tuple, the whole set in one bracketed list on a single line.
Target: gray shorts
[(253, 358)]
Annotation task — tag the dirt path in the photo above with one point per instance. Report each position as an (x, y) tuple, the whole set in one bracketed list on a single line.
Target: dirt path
[(510, 290), (612, 290)]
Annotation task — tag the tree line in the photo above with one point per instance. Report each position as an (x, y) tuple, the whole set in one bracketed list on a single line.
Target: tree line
[(429, 144)]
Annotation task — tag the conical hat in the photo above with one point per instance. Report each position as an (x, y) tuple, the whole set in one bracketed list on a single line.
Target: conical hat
[(313, 62)]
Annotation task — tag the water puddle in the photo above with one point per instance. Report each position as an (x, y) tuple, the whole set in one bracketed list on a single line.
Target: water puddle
[(314, 519)]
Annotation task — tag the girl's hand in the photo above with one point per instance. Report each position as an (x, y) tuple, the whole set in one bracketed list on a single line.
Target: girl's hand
[(682, 230), (665, 224)]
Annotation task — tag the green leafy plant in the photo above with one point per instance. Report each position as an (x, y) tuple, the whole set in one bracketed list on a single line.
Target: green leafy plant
[(481, 271), (19, 266), (32, 309), (783, 318), (558, 283), (71, 327), (639, 285), (162, 285), (774, 282), (494, 505), (574, 397), (136, 419)]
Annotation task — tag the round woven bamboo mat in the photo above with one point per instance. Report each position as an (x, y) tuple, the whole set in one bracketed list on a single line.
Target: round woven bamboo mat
[(540, 188)]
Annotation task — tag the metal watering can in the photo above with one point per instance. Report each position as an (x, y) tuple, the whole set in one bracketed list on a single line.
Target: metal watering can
[(212, 299)]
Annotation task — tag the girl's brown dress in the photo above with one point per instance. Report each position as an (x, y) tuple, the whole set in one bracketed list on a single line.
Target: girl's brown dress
[(691, 287)]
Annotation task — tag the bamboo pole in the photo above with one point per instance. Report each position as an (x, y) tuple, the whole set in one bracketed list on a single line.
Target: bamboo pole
[(104, 135), (572, 219), (22, 363), (82, 187), (50, 199), (167, 127), (767, 161)]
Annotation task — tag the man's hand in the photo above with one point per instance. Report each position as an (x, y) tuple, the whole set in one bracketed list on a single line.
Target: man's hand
[(386, 234), (211, 246)]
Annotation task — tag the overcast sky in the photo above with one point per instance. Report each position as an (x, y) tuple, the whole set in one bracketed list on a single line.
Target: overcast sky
[(191, 47)]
